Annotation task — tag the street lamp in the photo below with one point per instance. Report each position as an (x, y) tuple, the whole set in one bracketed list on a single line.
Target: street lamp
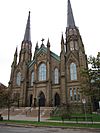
[(38, 109)]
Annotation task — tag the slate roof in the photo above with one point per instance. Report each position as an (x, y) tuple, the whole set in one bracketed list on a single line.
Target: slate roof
[(44, 50)]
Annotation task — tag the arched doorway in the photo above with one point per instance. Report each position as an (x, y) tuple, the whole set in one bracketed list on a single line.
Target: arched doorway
[(31, 98), (95, 104), (56, 100), (42, 99)]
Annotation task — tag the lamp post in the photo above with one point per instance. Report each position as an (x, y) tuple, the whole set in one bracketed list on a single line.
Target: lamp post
[(84, 102), (38, 109)]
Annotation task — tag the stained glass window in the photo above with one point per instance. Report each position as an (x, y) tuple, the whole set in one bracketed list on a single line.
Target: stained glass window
[(42, 72), (56, 76), (18, 79), (73, 71), (71, 95), (32, 78)]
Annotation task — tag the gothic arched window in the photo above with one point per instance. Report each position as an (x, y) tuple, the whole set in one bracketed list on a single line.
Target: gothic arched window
[(71, 45), (73, 71), (71, 94), (76, 45), (32, 78), (18, 79), (75, 94), (75, 32), (70, 31), (56, 76), (42, 72)]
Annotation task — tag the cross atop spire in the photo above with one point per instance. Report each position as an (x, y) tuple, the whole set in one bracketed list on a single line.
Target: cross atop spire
[(42, 40), (70, 17), (27, 36)]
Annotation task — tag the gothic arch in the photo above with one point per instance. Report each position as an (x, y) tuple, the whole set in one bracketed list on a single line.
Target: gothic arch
[(32, 77), (42, 99), (31, 99), (73, 71), (42, 70), (18, 75), (18, 78), (56, 75), (56, 99), (72, 60)]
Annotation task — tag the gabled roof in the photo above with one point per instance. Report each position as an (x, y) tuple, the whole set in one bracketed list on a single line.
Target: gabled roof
[(55, 56), (71, 54), (2, 86), (44, 50)]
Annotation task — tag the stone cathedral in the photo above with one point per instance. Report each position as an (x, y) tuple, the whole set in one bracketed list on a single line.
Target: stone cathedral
[(54, 79)]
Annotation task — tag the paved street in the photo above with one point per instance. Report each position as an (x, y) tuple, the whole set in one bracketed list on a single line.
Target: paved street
[(9, 129)]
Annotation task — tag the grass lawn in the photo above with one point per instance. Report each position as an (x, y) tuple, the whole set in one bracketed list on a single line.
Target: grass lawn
[(96, 117), (26, 123)]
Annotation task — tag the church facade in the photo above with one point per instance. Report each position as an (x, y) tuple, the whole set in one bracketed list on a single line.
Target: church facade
[(52, 79)]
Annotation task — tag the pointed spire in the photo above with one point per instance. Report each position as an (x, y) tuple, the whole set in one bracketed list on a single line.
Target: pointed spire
[(27, 36), (16, 52), (15, 58), (62, 44), (48, 43), (62, 39), (70, 17), (36, 47)]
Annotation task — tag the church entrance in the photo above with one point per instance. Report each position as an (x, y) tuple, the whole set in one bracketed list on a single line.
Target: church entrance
[(31, 98), (42, 99), (95, 104), (56, 100)]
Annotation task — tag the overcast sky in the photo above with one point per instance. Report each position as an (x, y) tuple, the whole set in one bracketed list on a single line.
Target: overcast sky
[(48, 20)]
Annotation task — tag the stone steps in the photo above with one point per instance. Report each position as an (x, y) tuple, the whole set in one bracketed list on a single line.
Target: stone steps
[(28, 111)]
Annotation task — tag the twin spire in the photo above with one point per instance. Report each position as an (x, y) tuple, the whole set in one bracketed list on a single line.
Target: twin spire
[(27, 36), (70, 17), (70, 23)]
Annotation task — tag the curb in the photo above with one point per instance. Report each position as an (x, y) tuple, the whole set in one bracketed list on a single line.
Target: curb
[(37, 126)]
